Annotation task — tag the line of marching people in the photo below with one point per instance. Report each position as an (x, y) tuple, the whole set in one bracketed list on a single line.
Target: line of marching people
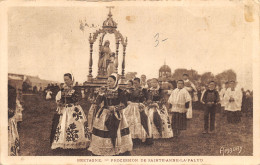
[(141, 116), (118, 117)]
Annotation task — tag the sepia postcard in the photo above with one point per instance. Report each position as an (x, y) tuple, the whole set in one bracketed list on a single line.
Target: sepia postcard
[(130, 82)]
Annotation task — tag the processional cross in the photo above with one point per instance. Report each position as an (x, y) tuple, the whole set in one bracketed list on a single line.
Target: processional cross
[(110, 7)]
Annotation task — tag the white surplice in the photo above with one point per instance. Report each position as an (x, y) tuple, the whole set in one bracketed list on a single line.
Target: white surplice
[(190, 89), (237, 103), (221, 96), (178, 99)]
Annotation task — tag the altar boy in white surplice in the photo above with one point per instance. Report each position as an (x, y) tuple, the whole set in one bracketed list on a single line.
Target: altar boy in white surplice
[(179, 103), (233, 103)]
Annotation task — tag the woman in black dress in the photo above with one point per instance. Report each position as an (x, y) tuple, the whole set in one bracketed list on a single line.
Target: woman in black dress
[(135, 115), (72, 129), (110, 134)]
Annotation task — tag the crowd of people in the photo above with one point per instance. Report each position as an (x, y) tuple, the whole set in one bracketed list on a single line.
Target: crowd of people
[(51, 91), (120, 117)]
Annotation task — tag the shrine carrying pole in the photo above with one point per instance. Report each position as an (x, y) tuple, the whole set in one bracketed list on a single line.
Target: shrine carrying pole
[(123, 63), (90, 59)]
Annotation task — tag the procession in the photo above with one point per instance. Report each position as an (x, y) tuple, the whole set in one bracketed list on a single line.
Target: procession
[(119, 113), (119, 119)]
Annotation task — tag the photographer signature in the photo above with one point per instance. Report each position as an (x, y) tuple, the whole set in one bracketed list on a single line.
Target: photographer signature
[(229, 150)]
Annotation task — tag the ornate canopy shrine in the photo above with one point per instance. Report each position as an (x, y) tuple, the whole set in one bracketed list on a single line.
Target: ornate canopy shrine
[(108, 60)]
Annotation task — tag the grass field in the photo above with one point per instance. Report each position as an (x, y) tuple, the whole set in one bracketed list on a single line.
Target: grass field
[(238, 138)]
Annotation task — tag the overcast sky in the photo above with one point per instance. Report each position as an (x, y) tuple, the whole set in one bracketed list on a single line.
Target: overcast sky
[(47, 41)]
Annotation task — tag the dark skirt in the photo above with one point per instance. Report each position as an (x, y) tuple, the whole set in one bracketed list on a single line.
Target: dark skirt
[(110, 135), (233, 116), (179, 121), (55, 122)]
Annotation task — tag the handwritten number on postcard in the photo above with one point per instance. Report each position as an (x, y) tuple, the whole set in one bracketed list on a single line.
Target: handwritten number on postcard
[(157, 40)]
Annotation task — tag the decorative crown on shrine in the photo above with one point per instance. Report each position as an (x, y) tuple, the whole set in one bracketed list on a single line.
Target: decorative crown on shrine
[(109, 22)]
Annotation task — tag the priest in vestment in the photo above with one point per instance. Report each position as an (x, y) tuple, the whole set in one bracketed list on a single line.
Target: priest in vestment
[(179, 101)]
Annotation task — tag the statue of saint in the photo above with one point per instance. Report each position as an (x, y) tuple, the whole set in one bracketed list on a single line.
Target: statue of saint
[(111, 65), (104, 58)]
